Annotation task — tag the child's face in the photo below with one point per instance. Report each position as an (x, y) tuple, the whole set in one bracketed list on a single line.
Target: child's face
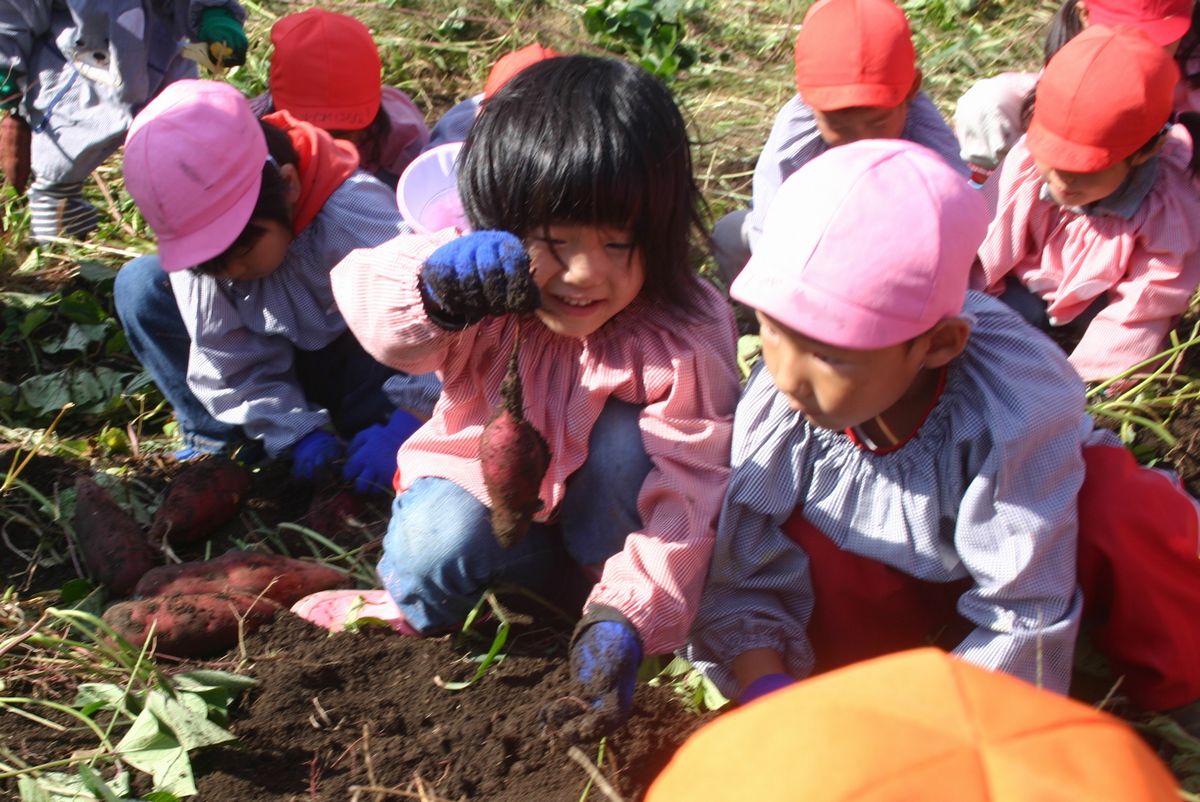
[(844, 126), (837, 388), (587, 275), (263, 257), (1080, 189)]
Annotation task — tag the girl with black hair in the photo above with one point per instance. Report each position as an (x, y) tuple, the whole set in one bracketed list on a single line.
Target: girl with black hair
[(577, 181), (234, 316)]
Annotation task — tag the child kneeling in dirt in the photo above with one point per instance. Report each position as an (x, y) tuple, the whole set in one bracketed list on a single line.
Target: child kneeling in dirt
[(577, 180), (234, 317), (325, 71), (856, 78), (908, 461)]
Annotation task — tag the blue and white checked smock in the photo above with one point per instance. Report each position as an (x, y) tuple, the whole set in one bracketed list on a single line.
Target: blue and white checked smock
[(244, 332), (986, 489), (794, 141)]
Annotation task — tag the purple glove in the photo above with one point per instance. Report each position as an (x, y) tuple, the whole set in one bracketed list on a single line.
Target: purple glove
[(766, 684), (371, 457), (479, 274), (313, 453), (604, 662)]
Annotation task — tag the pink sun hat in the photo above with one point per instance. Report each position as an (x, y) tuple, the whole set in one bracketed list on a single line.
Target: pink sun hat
[(193, 163), (867, 246)]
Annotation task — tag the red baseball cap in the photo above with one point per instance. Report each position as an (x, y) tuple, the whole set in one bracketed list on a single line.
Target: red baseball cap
[(1164, 21), (510, 64), (855, 53), (325, 70), (1102, 97)]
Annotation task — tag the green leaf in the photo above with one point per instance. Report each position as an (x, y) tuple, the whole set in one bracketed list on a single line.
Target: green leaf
[(47, 393), (96, 272), (82, 307), (33, 319), (88, 786), (93, 782), (93, 696), (186, 716), (29, 300), (75, 590), (80, 337)]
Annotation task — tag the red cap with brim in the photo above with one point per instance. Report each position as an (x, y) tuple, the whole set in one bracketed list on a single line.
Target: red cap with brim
[(512, 63), (1102, 98), (852, 53), (1163, 21)]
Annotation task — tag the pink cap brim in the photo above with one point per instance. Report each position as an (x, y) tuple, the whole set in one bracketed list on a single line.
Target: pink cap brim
[(211, 239)]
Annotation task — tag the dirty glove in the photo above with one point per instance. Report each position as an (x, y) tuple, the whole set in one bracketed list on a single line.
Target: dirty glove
[(313, 453), (479, 274), (14, 150), (371, 457), (604, 663), (766, 684), (224, 35)]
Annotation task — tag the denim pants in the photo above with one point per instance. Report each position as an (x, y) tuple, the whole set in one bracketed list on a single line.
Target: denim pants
[(341, 377), (439, 554)]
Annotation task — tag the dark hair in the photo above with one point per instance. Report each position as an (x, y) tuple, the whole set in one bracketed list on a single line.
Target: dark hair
[(272, 202), (591, 141), (1064, 27), (1187, 48)]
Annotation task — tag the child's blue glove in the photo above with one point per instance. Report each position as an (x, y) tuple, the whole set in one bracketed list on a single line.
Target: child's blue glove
[(224, 35), (604, 662), (313, 453), (479, 274), (371, 457), (767, 683)]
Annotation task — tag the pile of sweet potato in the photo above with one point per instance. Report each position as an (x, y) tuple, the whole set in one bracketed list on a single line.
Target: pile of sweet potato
[(197, 608)]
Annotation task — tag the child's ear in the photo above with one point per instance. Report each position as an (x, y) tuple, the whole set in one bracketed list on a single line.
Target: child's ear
[(291, 176), (1145, 155), (947, 340), (1081, 12)]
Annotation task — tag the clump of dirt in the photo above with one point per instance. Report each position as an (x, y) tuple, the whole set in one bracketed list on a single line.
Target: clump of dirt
[(332, 713)]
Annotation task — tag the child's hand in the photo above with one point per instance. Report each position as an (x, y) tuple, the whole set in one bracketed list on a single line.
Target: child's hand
[(313, 454), (371, 457), (604, 662), (224, 35), (477, 275)]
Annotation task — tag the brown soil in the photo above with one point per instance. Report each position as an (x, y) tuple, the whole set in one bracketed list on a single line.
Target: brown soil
[(361, 709)]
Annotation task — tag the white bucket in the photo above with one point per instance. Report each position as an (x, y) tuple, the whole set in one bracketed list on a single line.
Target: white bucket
[(427, 192)]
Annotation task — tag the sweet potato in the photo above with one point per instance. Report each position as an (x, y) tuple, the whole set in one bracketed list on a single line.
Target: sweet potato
[(192, 624), (281, 579), (513, 457), (114, 550), (204, 494)]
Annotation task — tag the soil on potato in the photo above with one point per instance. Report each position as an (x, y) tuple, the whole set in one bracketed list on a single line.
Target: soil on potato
[(332, 713)]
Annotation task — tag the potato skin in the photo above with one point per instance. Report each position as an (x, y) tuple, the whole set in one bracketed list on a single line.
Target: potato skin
[(278, 578), (115, 551), (203, 495), (190, 624)]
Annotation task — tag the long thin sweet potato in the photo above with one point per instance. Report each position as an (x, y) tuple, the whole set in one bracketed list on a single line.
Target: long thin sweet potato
[(192, 624), (278, 578), (513, 458), (115, 552), (203, 495)]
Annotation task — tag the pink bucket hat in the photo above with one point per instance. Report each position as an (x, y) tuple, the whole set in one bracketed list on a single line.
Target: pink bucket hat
[(866, 246), (193, 163)]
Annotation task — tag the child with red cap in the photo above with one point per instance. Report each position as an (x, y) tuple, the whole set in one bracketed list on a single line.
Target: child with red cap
[(325, 70), (234, 317), (857, 78), (918, 725), (991, 116), (908, 460), (456, 123), (72, 75), (1097, 222)]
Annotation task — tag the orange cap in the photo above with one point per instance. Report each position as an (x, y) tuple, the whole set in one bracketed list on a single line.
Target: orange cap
[(1102, 97), (914, 725), (855, 53), (325, 70), (510, 64)]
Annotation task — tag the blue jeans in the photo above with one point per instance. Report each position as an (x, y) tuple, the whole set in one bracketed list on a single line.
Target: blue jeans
[(439, 554), (341, 377)]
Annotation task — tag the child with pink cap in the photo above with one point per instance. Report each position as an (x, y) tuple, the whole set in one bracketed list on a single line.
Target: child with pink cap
[(234, 317), (991, 116), (325, 70), (1097, 222), (856, 78), (908, 460)]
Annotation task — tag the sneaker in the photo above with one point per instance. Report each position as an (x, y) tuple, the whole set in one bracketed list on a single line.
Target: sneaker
[(336, 610)]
